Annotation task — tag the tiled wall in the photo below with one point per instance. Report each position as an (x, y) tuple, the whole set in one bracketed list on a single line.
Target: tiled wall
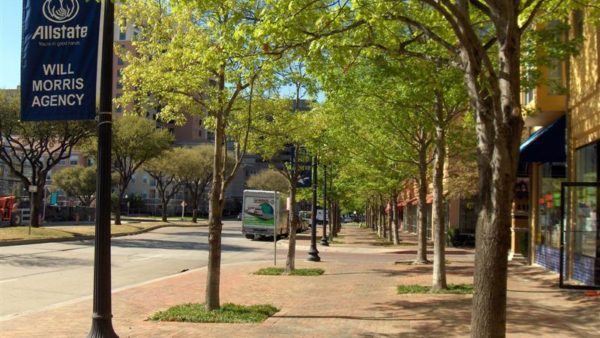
[(583, 266)]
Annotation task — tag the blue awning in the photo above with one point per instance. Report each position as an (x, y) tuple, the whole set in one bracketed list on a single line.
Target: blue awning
[(546, 144)]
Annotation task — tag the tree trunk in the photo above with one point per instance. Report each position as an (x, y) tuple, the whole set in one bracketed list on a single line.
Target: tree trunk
[(499, 126), (400, 218), (492, 244), (380, 217), (331, 223), (164, 212), (374, 215), (338, 219), (36, 207), (118, 210), (194, 197), (438, 220), (213, 277), (384, 220), (422, 210), (290, 263), (165, 205), (390, 225), (367, 215), (367, 211), (395, 236)]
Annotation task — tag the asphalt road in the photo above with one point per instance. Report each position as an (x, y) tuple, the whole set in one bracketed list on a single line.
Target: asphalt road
[(38, 276)]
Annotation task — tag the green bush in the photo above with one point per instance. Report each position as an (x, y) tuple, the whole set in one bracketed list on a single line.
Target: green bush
[(452, 233)]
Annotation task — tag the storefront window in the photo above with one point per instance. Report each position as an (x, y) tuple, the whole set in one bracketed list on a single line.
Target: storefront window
[(585, 226), (551, 177), (586, 208), (587, 163)]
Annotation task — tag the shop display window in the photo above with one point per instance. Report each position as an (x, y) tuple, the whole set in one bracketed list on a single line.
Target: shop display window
[(586, 208), (587, 163), (551, 177)]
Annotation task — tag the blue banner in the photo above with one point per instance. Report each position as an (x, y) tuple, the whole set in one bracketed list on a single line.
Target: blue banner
[(59, 57)]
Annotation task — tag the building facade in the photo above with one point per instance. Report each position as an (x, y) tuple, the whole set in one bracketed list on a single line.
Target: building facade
[(555, 222)]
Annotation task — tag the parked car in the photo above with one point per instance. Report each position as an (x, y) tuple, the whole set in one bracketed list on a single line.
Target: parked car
[(347, 219)]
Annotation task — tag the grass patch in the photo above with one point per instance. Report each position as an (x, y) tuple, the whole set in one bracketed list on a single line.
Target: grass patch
[(307, 272), (269, 272), (22, 232), (228, 313), (297, 272), (15, 233), (90, 230), (159, 218), (452, 289)]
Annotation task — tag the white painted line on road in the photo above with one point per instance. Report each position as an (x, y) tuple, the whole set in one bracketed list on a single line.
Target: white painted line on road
[(145, 258), (8, 280)]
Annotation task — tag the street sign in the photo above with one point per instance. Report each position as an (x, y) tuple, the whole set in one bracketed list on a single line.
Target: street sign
[(304, 179), (33, 188), (59, 56)]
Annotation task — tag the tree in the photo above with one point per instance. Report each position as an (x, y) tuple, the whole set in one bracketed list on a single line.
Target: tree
[(32, 149), (135, 140), (78, 182), (269, 179), (390, 115), (197, 57), (285, 125), (163, 169), (194, 168), (449, 103)]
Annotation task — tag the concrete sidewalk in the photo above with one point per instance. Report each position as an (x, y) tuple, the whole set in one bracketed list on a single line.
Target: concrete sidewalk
[(356, 297)]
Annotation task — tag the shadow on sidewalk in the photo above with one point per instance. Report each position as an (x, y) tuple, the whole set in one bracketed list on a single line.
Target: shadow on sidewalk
[(419, 270)]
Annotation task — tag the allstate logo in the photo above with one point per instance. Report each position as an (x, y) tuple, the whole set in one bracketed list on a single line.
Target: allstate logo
[(60, 11)]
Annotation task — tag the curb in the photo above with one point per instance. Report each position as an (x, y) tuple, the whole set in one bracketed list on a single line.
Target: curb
[(79, 238)]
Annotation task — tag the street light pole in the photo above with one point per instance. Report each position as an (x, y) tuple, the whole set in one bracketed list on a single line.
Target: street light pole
[(313, 253), (324, 238), (102, 315)]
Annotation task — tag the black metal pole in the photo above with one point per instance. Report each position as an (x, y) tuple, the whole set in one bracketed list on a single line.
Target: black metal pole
[(334, 212), (324, 238), (102, 316), (313, 253)]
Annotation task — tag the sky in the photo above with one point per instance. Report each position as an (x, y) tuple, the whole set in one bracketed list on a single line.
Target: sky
[(10, 43)]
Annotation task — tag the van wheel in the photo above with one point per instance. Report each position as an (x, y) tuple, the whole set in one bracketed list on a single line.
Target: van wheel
[(248, 236)]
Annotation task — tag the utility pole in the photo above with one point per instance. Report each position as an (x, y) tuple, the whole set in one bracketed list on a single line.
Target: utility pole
[(324, 238), (102, 316), (313, 253)]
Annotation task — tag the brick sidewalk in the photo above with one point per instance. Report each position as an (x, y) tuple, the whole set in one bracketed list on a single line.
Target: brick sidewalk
[(355, 298)]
